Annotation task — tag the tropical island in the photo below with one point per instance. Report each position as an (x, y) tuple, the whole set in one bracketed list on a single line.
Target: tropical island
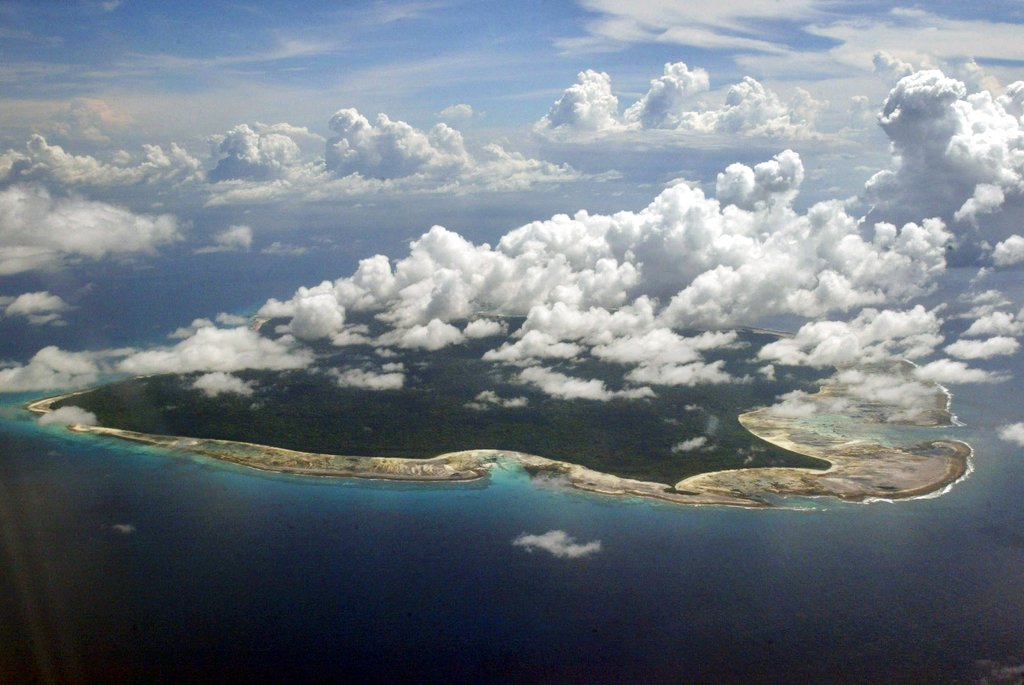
[(459, 416)]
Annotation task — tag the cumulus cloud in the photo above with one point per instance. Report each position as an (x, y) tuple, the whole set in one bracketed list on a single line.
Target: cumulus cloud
[(387, 149), (456, 112), (390, 377), (39, 308), (696, 373), (563, 387), (949, 371), (587, 105), (685, 260), (777, 180), (872, 336), (265, 154), (315, 313), (485, 328), (68, 415), (89, 119), (690, 445), (749, 108), (434, 335), (41, 161), (893, 395), (219, 383), (891, 67), (50, 369), (662, 105), (40, 231), (996, 323), (532, 346), (231, 239), (956, 154), (1013, 433), (997, 346), (488, 399), (365, 157), (1009, 252), (558, 543), (219, 349)]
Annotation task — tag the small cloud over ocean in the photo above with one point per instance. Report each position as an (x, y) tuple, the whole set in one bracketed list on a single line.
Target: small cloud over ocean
[(558, 543)]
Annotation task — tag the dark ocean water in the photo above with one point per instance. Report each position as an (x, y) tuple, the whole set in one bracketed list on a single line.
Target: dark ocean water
[(120, 563)]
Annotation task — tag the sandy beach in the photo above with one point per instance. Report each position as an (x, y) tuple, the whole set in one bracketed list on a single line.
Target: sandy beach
[(859, 469)]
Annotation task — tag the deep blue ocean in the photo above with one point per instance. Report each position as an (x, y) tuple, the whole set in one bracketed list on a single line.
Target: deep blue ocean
[(121, 563)]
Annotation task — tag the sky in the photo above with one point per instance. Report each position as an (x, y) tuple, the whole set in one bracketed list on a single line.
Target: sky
[(623, 175)]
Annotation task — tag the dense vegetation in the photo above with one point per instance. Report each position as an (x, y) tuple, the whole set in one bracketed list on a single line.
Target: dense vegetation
[(309, 411)]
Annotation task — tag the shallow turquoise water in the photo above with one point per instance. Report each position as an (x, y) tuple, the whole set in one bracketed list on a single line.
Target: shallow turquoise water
[(217, 571)]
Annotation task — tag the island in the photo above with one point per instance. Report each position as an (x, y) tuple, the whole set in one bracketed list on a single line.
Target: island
[(727, 444)]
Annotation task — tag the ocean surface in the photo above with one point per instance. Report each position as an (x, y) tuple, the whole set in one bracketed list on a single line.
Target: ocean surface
[(121, 563)]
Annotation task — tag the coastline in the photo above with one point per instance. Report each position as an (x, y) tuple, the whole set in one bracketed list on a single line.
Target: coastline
[(859, 470)]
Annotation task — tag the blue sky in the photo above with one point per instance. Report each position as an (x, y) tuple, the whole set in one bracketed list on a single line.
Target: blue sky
[(613, 172), (221, 63)]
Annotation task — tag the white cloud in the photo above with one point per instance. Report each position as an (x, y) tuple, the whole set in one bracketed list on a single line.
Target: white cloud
[(748, 108), (561, 320), (1009, 252), (996, 323), (485, 328), (696, 373), (39, 307), (316, 313), (558, 543), (983, 349), (391, 377), (434, 335), (777, 180), (88, 119), (219, 383), (690, 445), (367, 158), (661, 106), (284, 249), (533, 345), (949, 371), (388, 149), (587, 105), (488, 399), (587, 276), (40, 231), (565, 387), (50, 369), (244, 153), (955, 154), (232, 319), (871, 336), (219, 349), (123, 528), (457, 112), (1013, 433), (891, 67), (44, 162), (67, 415), (662, 346), (232, 238)]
